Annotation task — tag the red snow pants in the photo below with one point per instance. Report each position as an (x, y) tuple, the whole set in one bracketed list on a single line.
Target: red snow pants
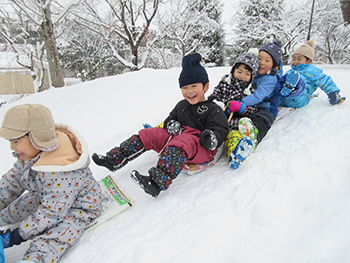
[(188, 141)]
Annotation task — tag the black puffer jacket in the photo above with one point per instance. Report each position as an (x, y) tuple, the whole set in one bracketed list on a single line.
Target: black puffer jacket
[(203, 115)]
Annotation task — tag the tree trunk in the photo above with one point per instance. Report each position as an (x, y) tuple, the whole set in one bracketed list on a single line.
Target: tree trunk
[(51, 51)]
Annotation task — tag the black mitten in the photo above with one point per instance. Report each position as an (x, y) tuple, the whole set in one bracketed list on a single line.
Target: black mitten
[(208, 140)]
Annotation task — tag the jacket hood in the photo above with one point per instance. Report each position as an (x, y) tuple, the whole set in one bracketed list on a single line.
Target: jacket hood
[(72, 153)]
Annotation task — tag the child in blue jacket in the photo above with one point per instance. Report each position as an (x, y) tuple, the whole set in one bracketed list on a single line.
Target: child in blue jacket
[(303, 79), (269, 72)]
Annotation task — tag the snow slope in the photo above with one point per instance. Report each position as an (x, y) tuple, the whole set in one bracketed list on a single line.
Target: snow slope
[(289, 202)]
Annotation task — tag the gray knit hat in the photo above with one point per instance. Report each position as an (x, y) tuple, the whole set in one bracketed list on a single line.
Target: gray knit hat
[(33, 119), (250, 59)]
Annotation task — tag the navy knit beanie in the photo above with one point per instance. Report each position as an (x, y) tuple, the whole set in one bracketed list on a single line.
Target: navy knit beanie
[(192, 70), (274, 50)]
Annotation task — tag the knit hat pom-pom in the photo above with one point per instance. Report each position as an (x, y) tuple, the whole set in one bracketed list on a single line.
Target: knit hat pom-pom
[(311, 43), (191, 60), (278, 42)]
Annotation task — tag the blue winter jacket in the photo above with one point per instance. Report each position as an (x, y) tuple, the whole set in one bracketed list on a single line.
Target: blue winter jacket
[(315, 78), (265, 94)]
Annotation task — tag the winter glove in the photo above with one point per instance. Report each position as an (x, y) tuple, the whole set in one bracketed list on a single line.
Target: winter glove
[(236, 106), (334, 98), (11, 237), (174, 127), (208, 140)]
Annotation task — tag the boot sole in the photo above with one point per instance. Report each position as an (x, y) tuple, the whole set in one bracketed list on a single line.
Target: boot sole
[(136, 180)]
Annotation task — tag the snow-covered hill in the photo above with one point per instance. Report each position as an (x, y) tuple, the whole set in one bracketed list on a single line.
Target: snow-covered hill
[(289, 202)]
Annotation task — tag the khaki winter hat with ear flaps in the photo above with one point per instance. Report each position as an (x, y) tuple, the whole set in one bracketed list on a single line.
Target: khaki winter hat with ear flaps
[(306, 49), (34, 119)]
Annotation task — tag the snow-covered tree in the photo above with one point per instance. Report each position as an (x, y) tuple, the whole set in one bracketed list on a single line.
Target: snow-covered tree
[(295, 27), (82, 52), (331, 36), (213, 43), (193, 26), (257, 22), (45, 15), (124, 25)]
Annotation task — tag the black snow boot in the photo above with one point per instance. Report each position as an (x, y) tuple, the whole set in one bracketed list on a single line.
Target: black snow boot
[(118, 157), (146, 183)]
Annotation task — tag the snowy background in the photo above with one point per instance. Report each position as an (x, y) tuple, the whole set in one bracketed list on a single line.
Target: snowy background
[(289, 202)]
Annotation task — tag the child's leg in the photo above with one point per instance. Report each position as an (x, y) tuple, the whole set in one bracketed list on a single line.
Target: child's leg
[(232, 140), (238, 148), (118, 157), (170, 164), (243, 149), (263, 119), (181, 148), (248, 129), (291, 83), (54, 242), (20, 209)]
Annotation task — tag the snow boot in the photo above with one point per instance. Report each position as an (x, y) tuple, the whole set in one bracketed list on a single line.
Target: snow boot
[(243, 149), (291, 82), (248, 129), (146, 183), (231, 141), (170, 164), (118, 157)]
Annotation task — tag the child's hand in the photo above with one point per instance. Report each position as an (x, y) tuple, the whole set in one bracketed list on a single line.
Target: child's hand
[(236, 106), (208, 140), (334, 98), (173, 127), (11, 237)]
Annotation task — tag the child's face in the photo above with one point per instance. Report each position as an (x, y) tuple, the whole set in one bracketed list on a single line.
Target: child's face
[(242, 73), (24, 148), (300, 59), (265, 62), (194, 93)]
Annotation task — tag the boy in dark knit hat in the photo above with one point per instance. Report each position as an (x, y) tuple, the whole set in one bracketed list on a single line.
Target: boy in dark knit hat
[(302, 80), (190, 134), (50, 191)]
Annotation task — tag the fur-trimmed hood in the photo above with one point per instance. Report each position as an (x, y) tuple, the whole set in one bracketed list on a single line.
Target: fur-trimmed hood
[(71, 154)]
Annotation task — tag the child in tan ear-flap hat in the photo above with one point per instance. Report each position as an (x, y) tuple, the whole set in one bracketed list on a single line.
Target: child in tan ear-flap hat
[(302, 80), (50, 191)]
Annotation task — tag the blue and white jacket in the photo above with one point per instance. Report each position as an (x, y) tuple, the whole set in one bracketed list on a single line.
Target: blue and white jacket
[(315, 78), (265, 94)]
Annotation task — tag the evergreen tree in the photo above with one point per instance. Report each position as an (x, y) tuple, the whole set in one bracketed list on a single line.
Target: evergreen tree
[(213, 43), (257, 22)]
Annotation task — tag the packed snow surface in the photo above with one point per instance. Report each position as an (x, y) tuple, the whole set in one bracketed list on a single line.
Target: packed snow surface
[(289, 202)]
